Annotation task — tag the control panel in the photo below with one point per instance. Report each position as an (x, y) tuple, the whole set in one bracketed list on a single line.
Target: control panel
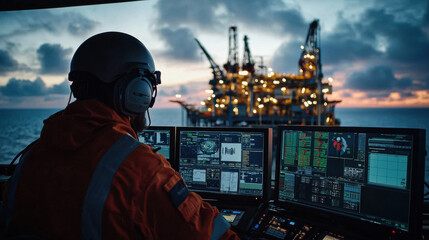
[(277, 224)]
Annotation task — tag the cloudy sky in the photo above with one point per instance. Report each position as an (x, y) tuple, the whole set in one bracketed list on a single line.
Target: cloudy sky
[(376, 51)]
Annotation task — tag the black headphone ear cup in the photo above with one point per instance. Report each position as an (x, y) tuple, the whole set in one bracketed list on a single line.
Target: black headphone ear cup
[(133, 94)]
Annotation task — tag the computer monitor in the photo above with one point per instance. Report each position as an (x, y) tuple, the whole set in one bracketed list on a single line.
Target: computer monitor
[(161, 139), (370, 175), (225, 164)]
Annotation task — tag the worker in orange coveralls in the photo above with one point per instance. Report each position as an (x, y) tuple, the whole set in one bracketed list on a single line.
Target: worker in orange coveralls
[(87, 177)]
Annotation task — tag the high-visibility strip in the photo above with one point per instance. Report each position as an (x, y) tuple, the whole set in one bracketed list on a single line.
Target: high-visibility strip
[(99, 187), (220, 226), (13, 184), (178, 193)]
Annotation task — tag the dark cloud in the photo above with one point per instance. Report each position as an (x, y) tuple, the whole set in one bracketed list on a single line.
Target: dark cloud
[(211, 15), (286, 58), (407, 10), (272, 15), (25, 88), (378, 94), (289, 21), (18, 88), (45, 20), (187, 12), (53, 58), (425, 21), (407, 94), (267, 15), (180, 44), (340, 48), (377, 78), (7, 63), (405, 41)]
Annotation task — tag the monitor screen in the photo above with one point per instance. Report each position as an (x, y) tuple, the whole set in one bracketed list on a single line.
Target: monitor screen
[(160, 138), (370, 174), (225, 162)]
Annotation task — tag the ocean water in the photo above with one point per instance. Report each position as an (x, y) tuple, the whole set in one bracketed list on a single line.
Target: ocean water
[(19, 127)]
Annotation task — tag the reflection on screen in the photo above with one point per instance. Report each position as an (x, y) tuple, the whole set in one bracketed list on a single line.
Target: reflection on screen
[(364, 175), (222, 162), (157, 139)]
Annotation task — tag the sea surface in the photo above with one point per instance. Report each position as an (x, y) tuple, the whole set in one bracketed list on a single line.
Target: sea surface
[(19, 127)]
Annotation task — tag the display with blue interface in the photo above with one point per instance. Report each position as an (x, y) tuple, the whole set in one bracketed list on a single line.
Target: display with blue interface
[(226, 162), (159, 138), (366, 175)]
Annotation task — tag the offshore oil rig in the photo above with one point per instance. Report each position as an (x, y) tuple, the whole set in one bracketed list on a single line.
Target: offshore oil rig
[(241, 95)]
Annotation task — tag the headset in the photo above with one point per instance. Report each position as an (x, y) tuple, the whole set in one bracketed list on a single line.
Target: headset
[(135, 92)]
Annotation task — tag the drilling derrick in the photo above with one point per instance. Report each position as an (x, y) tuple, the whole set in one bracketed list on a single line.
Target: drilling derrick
[(248, 64), (231, 66), (248, 67)]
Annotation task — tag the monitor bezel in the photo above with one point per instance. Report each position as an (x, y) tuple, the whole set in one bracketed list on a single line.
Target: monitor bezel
[(234, 198), (172, 131), (416, 182)]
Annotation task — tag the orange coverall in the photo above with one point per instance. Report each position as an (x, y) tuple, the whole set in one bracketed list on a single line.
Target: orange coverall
[(56, 175)]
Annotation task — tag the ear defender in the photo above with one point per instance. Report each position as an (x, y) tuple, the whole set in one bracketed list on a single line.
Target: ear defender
[(133, 94)]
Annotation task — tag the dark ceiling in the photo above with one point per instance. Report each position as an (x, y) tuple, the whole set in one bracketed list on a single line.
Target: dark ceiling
[(11, 5)]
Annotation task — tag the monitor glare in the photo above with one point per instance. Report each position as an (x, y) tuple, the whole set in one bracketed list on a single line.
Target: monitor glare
[(371, 174), (224, 163), (160, 138)]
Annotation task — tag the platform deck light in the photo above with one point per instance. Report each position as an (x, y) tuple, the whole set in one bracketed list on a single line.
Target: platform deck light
[(243, 73)]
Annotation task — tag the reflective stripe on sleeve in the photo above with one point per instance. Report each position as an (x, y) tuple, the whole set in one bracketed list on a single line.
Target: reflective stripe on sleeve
[(220, 226), (99, 187), (178, 193)]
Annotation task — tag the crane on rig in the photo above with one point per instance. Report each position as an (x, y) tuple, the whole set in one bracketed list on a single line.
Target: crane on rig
[(218, 75)]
